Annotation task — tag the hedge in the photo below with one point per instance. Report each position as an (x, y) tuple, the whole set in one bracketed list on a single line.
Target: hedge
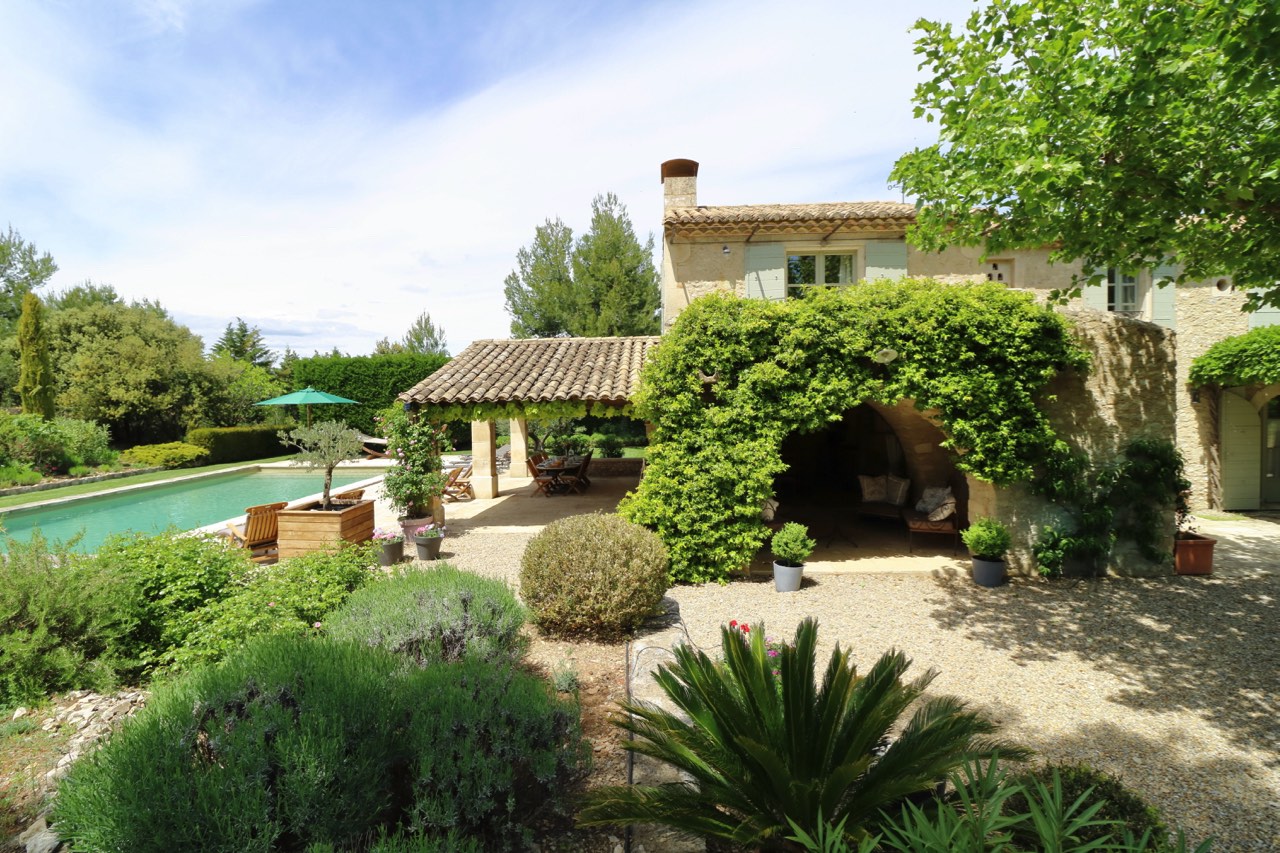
[(238, 443), (373, 381)]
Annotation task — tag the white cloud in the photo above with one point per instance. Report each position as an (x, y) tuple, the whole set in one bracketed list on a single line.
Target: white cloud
[(341, 227)]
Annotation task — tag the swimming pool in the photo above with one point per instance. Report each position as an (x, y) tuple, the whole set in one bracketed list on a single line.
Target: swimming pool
[(185, 504)]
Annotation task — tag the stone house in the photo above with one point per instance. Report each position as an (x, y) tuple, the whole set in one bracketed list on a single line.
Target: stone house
[(1143, 337)]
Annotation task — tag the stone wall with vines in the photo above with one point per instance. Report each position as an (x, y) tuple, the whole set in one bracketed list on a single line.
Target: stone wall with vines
[(734, 377)]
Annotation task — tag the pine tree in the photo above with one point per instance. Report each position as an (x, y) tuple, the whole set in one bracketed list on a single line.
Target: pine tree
[(425, 337), (244, 343), (35, 382), (602, 284)]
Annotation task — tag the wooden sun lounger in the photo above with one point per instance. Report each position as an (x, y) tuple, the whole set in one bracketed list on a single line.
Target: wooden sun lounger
[(260, 531)]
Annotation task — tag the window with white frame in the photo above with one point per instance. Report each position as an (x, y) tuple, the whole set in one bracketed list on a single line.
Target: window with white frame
[(820, 269), (1122, 292)]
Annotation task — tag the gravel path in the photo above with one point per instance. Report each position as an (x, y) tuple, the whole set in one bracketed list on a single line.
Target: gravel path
[(1171, 684)]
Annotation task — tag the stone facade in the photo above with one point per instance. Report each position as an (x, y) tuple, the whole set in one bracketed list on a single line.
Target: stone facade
[(1138, 383)]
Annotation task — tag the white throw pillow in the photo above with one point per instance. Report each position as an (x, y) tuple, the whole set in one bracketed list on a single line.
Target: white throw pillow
[(943, 510), (873, 488), (933, 497), (896, 490)]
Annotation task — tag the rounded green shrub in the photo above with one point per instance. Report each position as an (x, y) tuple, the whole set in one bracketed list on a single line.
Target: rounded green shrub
[(986, 539), (792, 545), (280, 747), (173, 454), (438, 614), (292, 743), (593, 574), (1120, 803)]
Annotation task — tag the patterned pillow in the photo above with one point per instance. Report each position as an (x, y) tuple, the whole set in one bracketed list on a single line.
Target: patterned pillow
[(933, 497), (873, 488), (896, 490), (944, 510)]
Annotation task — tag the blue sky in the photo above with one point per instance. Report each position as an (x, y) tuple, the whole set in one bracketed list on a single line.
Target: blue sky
[(329, 170)]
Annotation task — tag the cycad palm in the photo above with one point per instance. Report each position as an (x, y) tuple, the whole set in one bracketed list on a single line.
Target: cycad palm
[(762, 749)]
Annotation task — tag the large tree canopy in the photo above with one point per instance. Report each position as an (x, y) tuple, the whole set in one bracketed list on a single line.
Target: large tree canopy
[(1120, 132), (602, 284)]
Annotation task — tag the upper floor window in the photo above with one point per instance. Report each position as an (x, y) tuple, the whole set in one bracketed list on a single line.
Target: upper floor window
[(821, 269), (1122, 292)]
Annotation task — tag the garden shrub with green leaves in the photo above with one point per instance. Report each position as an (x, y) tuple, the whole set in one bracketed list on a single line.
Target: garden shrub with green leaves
[(1121, 807), (292, 597), (434, 615), (980, 355), (294, 742), (769, 752), (172, 454), (170, 578), (63, 622), (238, 443), (1249, 359), (18, 474), (597, 575), (54, 446)]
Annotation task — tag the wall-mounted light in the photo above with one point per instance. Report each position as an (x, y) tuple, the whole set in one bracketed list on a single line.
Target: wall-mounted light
[(724, 250), (885, 356), (1195, 395)]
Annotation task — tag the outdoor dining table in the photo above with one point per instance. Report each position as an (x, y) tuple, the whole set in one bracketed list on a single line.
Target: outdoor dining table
[(558, 466)]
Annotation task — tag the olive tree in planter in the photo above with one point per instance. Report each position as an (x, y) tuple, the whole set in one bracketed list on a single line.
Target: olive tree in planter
[(988, 541), (791, 547), (321, 526)]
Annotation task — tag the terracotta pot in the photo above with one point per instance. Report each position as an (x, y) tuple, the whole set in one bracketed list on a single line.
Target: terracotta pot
[(1193, 554)]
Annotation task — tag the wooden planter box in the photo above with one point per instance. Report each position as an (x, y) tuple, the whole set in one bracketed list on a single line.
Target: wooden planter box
[(1193, 554), (307, 528)]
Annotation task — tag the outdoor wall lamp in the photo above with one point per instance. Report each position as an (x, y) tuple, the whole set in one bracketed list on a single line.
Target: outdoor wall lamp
[(724, 250), (885, 356), (1195, 395)]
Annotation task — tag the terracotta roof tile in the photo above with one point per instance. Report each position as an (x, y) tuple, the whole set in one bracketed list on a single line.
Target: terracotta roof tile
[(790, 218), (537, 370)]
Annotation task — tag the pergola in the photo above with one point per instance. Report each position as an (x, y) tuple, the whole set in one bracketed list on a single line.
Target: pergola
[(520, 376)]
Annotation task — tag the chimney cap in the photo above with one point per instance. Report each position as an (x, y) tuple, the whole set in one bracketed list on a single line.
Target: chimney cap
[(679, 169)]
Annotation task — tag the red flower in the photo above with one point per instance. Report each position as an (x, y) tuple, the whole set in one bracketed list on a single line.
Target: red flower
[(746, 629), (733, 623)]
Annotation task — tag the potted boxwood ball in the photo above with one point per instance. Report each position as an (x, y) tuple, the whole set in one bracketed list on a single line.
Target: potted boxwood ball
[(987, 540), (791, 547)]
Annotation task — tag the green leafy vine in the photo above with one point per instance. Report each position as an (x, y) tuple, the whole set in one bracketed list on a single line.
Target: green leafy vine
[(735, 376)]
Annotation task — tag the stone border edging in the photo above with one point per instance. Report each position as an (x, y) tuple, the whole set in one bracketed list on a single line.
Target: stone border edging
[(96, 478)]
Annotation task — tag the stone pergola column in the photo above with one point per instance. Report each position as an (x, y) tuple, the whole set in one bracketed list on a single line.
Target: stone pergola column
[(519, 449), (484, 459)]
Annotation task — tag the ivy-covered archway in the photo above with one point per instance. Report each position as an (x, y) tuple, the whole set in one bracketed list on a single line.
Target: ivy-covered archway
[(735, 376)]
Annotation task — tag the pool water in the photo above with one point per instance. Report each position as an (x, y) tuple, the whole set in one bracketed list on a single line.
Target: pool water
[(184, 504)]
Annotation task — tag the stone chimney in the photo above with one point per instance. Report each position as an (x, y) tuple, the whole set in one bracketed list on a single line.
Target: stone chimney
[(679, 184)]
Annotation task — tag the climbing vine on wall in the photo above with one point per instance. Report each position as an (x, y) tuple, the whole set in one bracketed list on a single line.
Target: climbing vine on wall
[(734, 377), (1248, 359)]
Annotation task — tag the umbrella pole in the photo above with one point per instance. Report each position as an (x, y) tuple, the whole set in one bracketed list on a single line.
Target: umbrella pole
[(308, 416)]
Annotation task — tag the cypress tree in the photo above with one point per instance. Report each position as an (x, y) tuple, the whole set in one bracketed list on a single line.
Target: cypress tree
[(35, 380)]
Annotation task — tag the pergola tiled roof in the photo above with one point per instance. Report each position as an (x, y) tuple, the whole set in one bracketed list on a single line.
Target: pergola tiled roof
[(537, 370), (788, 218)]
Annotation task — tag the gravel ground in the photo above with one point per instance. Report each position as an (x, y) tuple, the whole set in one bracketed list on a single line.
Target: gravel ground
[(1172, 684)]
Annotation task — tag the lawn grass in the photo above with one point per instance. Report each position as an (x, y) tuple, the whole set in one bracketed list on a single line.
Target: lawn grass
[(635, 452), (75, 490)]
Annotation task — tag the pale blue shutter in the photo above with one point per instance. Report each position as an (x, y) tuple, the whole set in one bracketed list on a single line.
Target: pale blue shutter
[(1164, 299), (766, 263), (886, 259), (1264, 316), (1095, 296)]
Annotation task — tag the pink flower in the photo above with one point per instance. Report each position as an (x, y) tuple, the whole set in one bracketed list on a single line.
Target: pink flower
[(271, 604), (315, 624)]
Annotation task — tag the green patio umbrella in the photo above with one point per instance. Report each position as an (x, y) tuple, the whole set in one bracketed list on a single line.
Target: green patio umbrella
[(305, 397)]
